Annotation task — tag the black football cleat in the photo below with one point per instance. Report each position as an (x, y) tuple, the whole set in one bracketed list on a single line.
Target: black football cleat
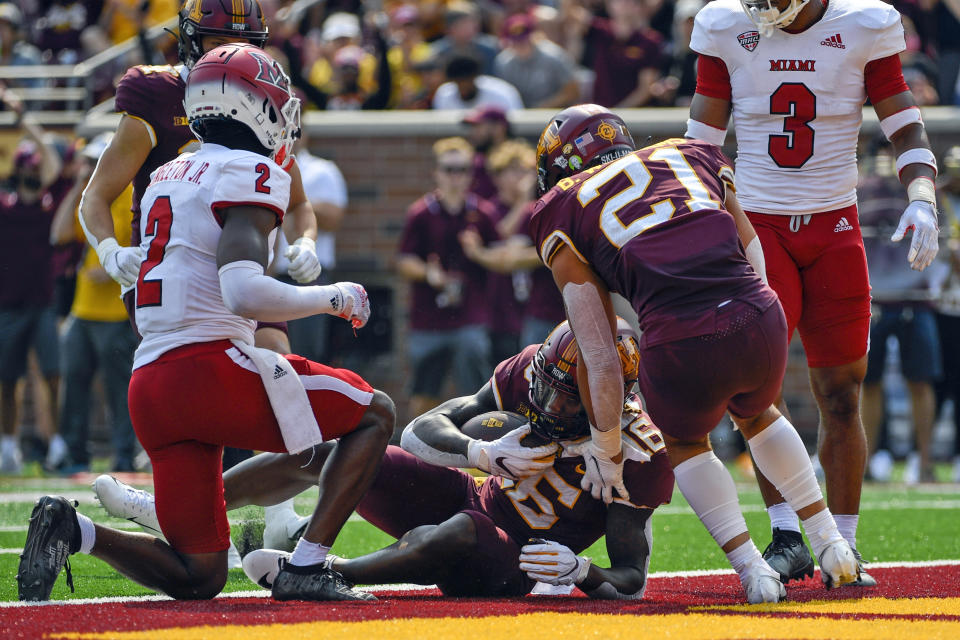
[(315, 582), (52, 536), (864, 579), (788, 555)]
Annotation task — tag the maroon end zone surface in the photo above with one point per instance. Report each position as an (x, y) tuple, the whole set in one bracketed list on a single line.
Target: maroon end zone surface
[(664, 595)]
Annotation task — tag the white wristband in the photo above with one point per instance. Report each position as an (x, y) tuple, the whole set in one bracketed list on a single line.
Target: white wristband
[(922, 188), (893, 123), (917, 155), (606, 441), (106, 248), (702, 131)]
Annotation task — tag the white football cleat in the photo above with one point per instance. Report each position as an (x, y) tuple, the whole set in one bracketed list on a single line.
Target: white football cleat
[(284, 531), (761, 583), (123, 501), (838, 564), (547, 589), (263, 565)]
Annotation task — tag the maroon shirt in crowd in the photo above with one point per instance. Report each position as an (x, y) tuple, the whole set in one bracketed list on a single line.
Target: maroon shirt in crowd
[(432, 230), (26, 270), (675, 273), (154, 95), (617, 63), (482, 184), (502, 295), (578, 520), (545, 301)]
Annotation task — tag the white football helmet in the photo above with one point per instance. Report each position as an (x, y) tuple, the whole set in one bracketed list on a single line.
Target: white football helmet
[(767, 16), (241, 82)]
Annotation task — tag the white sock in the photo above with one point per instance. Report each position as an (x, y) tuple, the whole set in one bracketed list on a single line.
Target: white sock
[(308, 553), (847, 524), (783, 517), (708, 487), (88, 533), (743, 556), (283, 510), (780, 455), (821, 531), (8, 443)]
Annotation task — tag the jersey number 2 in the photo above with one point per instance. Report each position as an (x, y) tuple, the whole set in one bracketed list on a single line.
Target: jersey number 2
[(150, 291), (792, 148)]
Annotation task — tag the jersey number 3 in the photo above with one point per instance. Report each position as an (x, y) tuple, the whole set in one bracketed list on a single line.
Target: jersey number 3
[(150, 291), (792, 148)]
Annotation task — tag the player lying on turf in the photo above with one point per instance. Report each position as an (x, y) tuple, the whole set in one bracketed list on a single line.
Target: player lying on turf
[(473, 538), (661, 226), (198, 382)]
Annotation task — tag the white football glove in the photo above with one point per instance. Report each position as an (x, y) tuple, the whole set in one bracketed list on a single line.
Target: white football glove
[(507, 458), (351, 303), (304, 264), (601, 474), (122, 263), (921, 216), (553, 563)]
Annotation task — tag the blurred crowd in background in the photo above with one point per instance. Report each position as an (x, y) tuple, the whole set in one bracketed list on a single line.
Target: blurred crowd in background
[(396, 54), (478, 291)]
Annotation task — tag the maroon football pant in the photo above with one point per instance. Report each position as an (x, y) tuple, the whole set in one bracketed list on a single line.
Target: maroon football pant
[(408, 493), (689, 384)]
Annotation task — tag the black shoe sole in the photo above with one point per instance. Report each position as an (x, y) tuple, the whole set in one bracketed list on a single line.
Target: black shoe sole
[(30, 578)]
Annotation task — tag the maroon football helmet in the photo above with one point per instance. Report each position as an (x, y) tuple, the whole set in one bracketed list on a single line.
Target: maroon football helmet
[(577, 138), (240, 20), (554, 394)]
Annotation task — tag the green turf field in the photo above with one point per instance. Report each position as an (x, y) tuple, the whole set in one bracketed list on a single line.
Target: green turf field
[(898, 523)]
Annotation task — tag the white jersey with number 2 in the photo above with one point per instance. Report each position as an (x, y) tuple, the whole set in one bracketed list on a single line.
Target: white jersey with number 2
[(178, 299), (798, 99)]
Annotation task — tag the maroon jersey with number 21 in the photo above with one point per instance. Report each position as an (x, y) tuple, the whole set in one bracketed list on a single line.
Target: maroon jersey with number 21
[(652, 225)]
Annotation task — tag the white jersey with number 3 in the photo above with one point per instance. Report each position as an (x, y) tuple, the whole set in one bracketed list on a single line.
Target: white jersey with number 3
[(178, 299), (797, 99)]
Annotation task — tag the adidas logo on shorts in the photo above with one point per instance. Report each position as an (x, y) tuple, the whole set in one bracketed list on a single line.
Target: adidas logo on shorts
[(842, 225)]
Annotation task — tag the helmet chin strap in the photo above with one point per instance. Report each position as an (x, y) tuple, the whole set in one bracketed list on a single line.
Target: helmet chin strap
[(771, 17)]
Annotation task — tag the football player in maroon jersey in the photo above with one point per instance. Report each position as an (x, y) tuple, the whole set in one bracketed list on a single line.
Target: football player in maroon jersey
[(472, 539), (662, 227)]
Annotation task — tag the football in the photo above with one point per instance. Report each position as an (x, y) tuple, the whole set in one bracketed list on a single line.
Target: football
[(494, 424)]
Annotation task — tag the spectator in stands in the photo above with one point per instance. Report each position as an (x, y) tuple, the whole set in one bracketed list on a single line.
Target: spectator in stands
[(59, 25), (487, 128), (541, 71), (97, 335), (680, 83), (432, 77), (341, 30), (513, 166), (463, 37), (14, 49), (902, 308), (466, 87), (407, 49), (327, 191), (124, 19), (948, 305), (947, 20), (448, 306), (27, 317), (626, 55), (347, 94)]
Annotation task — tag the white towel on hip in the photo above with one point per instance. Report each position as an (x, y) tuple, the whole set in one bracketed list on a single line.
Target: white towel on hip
[(287, 397)]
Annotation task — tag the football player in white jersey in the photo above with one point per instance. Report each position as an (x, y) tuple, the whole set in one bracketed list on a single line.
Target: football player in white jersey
[(198, 383), (795, 74)]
